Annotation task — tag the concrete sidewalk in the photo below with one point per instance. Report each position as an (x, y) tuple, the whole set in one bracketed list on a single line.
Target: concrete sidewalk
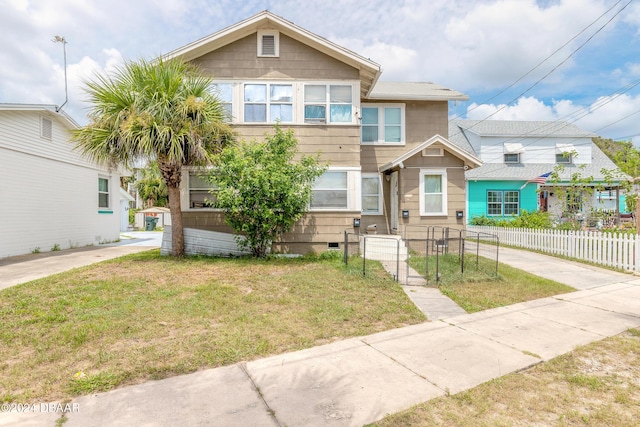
[(360, 380)]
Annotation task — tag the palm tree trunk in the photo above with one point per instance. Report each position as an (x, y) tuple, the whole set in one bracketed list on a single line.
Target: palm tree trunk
[(177, 232)]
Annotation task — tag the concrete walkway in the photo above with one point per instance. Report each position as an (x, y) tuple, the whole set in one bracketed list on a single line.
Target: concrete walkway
[(24, 268), (429, 300), (360, 380)]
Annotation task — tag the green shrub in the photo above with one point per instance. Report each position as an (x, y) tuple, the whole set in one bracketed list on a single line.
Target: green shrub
[(535, 219)]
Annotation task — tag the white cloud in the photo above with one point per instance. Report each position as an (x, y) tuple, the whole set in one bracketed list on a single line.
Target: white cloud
[(615, 117)]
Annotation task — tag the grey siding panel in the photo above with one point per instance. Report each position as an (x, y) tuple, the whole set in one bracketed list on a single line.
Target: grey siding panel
[(203, 242)]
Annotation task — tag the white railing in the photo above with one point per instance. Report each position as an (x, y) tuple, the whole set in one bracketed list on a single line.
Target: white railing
[(616, 250)]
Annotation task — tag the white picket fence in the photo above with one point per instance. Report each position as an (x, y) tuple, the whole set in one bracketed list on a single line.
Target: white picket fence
[(610, 249)]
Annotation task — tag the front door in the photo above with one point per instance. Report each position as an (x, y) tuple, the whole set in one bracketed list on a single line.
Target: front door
[(394, 201)]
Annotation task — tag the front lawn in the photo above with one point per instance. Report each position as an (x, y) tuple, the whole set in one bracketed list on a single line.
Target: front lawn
[(479, 288), (595, 385), (146, 317)]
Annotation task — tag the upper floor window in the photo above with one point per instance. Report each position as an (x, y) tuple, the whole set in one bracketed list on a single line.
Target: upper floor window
[(224, 91), (563, 158), (328, 103), (383, 124), (565, 153), (268, 103), (512, 157), (268, 43)]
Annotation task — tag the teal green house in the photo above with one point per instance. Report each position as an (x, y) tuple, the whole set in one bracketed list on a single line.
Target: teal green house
[(518, 157)]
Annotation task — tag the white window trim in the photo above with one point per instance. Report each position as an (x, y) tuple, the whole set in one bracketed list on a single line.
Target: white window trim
[(517, 161), (268, 101), (371, 176), (276, 37), (353, 191), (237, 102), (381, 107), (355, 100), (108, 193), (445, 205), (503, 202), (186, 202)]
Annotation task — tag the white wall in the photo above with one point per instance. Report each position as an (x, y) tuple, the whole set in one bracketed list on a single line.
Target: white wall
[(536, 150), (48, 195)]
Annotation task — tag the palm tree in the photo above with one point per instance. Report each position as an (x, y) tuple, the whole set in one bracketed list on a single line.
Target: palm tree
[(161, 111), (151, 187)]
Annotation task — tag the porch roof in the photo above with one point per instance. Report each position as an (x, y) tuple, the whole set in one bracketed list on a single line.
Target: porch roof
[(469, 159)]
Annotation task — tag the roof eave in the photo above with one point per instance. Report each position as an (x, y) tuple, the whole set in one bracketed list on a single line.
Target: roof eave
[(469, 159), (390, 97), (369, 71)]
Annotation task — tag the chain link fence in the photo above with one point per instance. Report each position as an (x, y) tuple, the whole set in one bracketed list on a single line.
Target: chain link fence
[(424, 255)]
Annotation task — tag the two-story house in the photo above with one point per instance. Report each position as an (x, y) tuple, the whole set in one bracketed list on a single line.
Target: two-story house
[(518, 157), (390, 163)]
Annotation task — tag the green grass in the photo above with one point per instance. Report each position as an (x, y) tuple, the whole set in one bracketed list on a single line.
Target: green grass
[(595, 385), (479, 288), (144, 317)]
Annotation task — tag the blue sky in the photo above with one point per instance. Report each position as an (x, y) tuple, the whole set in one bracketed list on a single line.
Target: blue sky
[(479, 47)]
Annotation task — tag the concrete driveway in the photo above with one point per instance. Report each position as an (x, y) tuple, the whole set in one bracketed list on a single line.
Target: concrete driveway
[(24, 268)]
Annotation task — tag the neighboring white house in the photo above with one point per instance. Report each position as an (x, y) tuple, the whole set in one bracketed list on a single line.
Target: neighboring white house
[(51, 197)]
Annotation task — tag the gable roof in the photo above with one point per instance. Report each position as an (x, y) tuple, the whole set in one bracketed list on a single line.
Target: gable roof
[(414, 91), (469, 159), (49, 110), (509, 128), (369, 70)]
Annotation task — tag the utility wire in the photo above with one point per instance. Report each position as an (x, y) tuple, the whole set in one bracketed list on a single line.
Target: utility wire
[(557, 66)]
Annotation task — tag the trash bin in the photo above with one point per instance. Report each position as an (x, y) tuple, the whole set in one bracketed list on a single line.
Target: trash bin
[(150, 223)]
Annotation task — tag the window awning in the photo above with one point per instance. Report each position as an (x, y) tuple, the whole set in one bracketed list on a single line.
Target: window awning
[(565, 148), (513, 148)]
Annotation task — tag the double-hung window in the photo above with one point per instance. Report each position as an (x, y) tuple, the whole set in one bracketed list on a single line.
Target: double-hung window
[(268, 103), (224, 92), (383, 124), (433, 192), (103, 193), (501, 203), (330, 191), (371, 200), (200, 191), (328, 103)]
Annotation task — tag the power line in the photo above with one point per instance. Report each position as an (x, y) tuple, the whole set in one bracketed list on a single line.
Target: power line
[(557, 66), (546, 59)]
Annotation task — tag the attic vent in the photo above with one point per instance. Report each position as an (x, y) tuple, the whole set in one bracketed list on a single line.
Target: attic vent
[(433, 152), (268, 43), (45, 128)]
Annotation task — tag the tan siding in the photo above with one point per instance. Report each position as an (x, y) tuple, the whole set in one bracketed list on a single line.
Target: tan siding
[(239, 60), (312, 232), (409, 190), (423, 120), (338, 145)]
